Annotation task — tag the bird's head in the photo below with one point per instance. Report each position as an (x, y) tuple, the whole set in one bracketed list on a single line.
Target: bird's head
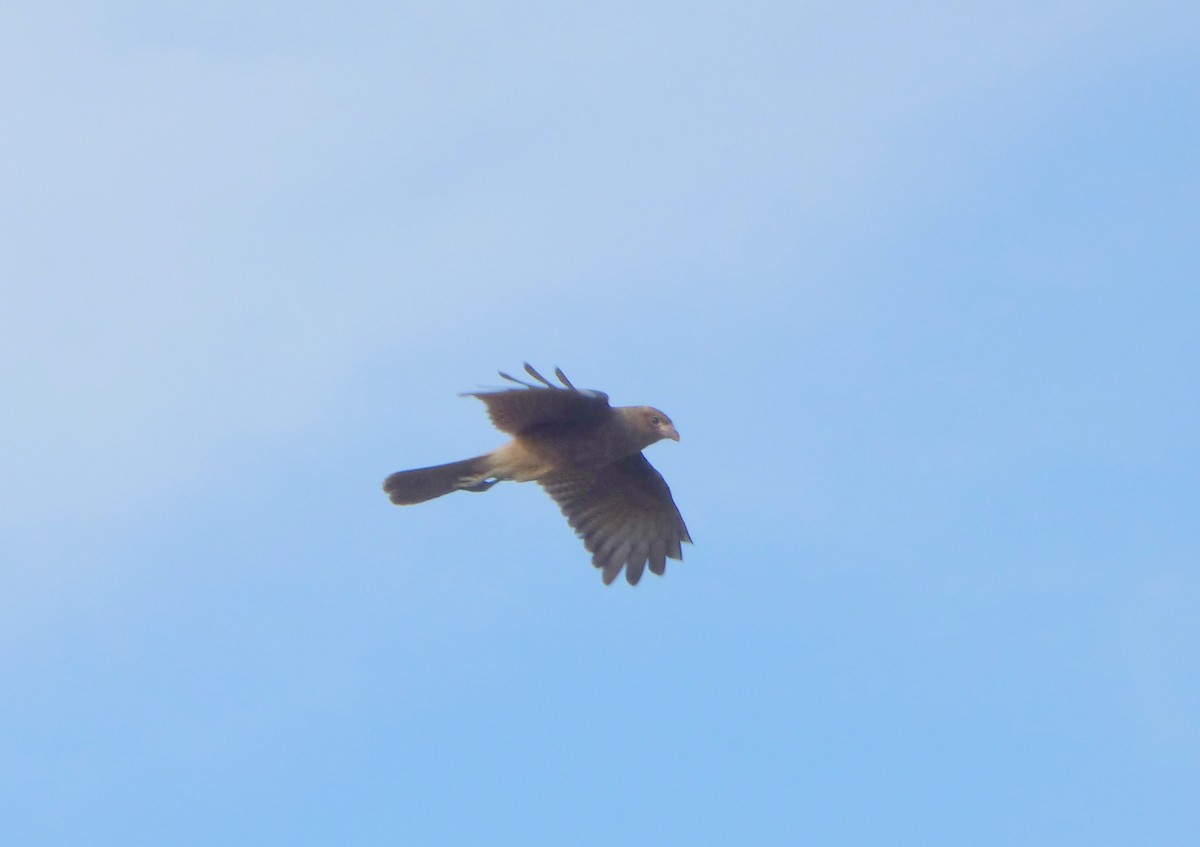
[(655, 424)]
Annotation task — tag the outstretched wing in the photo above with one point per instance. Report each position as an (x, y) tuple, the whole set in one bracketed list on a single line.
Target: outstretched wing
[(625, 515), (519, 410)]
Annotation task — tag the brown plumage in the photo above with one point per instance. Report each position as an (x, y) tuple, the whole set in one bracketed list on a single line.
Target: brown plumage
[(588, 456)]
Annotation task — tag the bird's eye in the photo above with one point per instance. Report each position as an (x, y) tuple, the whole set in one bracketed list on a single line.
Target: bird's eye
[(655, 419)]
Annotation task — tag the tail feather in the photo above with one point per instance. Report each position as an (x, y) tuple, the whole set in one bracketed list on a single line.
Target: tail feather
[(416, 486)]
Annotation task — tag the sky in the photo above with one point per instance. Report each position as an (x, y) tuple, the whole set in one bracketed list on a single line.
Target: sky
[(917, 283)]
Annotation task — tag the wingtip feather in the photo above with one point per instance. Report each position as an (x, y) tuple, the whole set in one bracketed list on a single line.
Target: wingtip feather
[(529, 369), (562, 377)]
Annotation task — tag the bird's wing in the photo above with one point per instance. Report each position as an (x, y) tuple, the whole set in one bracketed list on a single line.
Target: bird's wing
[(519, 410), (624, 514)]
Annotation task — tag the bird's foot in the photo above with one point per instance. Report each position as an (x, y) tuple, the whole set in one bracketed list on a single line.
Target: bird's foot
[(481, 485)]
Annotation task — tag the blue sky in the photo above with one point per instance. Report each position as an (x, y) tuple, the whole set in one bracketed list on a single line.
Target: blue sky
[(918, 284)]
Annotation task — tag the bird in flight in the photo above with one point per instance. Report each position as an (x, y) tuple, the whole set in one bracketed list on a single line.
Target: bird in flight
[(587, 455)]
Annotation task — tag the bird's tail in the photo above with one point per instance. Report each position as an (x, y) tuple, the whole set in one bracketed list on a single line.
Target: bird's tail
[(416, 486)]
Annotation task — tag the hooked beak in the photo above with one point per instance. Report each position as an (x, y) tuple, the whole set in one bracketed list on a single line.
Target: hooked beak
[(673, 434)]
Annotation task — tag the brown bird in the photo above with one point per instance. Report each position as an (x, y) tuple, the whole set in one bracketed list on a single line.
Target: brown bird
[(588, 456)]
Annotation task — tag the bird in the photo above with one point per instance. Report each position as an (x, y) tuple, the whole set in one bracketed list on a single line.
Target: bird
[(587, 455)]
